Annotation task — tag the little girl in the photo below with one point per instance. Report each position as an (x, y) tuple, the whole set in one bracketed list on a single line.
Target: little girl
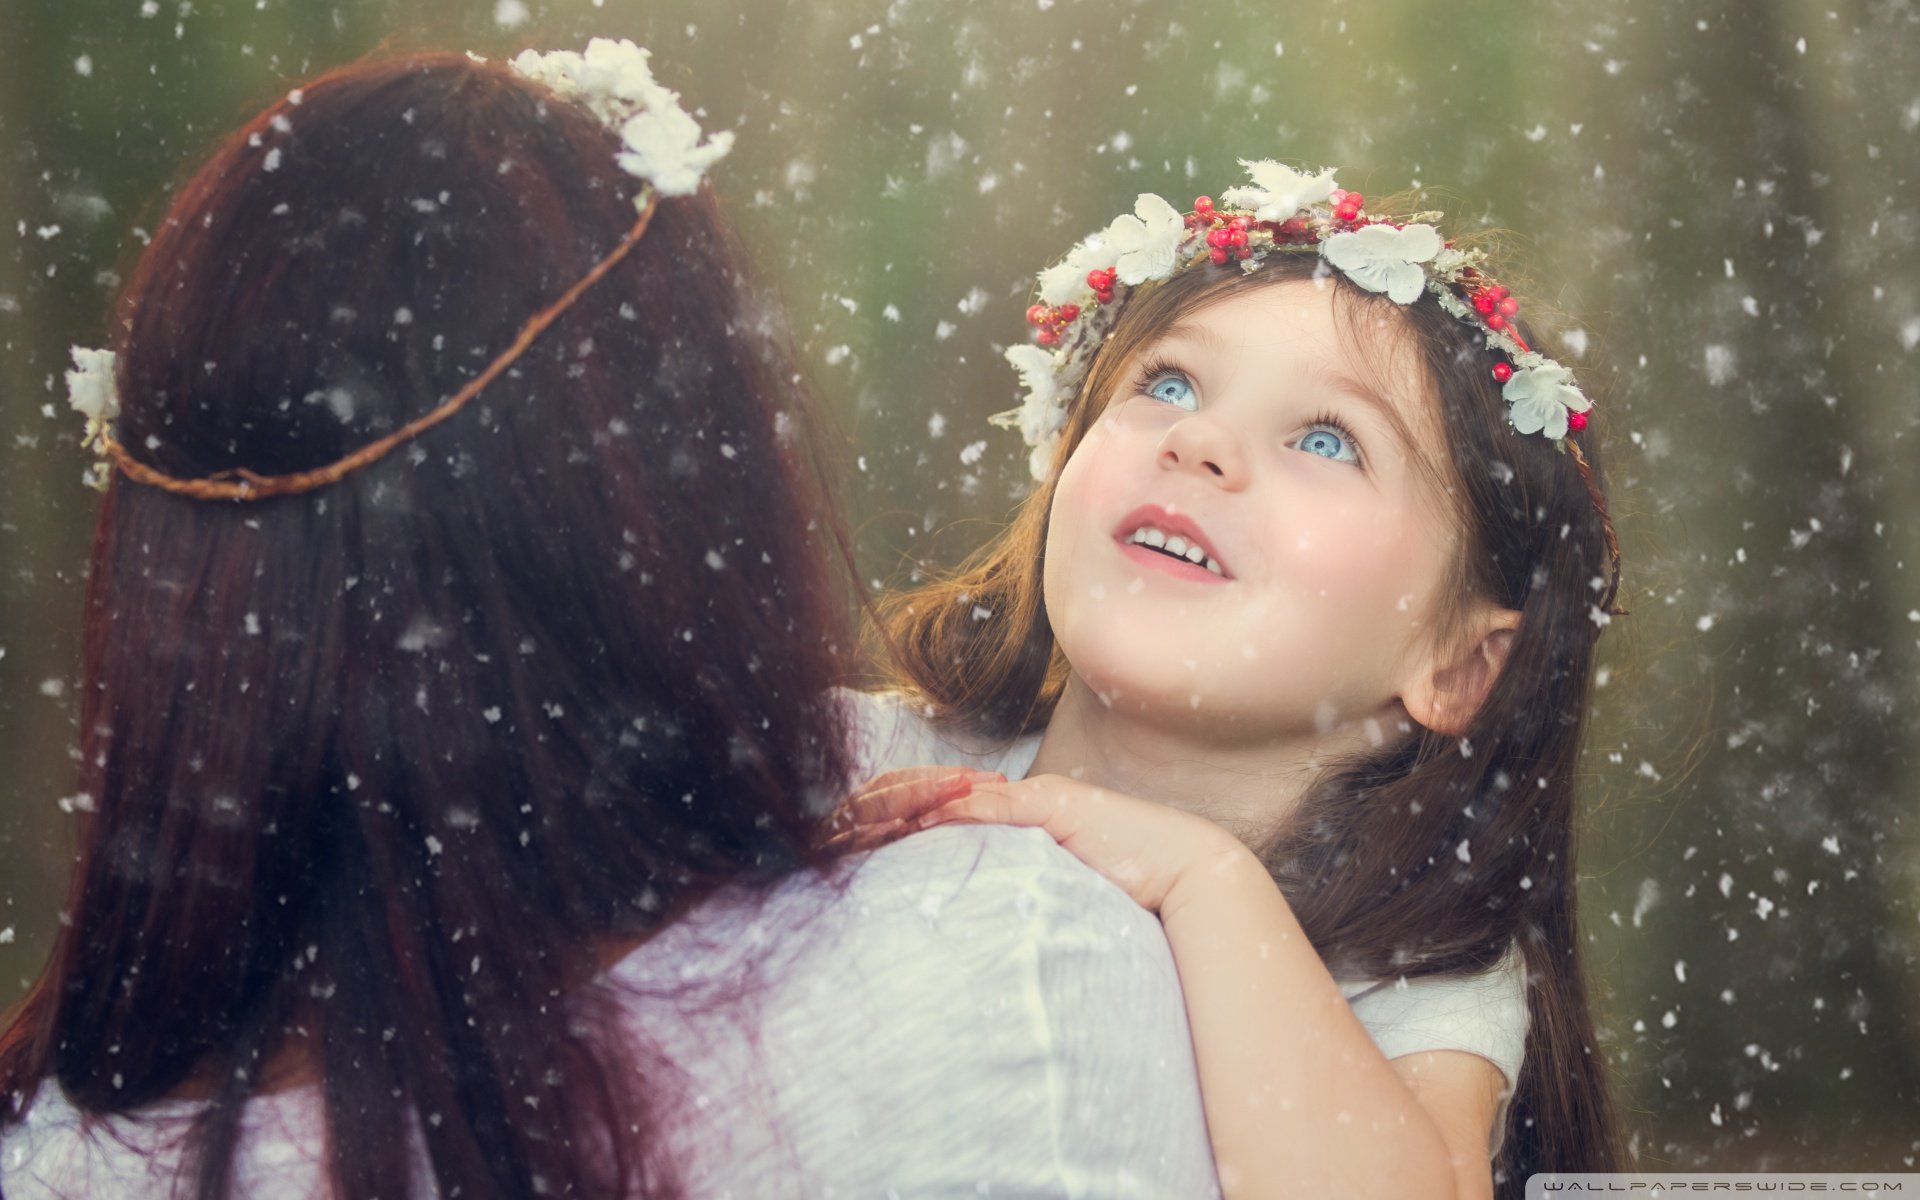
[(1318, 556)]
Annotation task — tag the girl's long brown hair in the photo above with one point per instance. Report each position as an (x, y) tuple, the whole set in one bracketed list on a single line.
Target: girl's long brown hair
[(376, 774), (1368, 861)]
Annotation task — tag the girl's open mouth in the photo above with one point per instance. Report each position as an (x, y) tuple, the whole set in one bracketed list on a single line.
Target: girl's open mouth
[(1173, 547), (1151, 534)]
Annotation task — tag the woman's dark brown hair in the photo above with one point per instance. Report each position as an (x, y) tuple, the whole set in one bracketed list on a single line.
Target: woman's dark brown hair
[(1368, 859), (376, 775)]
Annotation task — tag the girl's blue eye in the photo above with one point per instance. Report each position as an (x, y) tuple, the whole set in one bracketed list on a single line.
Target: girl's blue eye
[(1173, 388), (1328, 443)]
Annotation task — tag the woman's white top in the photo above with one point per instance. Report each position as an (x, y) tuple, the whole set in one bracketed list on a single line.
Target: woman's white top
[(968, 1012)]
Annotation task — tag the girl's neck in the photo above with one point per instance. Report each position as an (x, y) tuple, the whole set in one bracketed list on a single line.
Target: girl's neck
[(1248, 788)]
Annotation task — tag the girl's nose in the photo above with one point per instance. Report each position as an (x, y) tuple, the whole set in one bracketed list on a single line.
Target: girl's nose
[(1204, 445)]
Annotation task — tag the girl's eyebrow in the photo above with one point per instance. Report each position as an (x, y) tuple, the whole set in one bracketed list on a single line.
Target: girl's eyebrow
[(1193, 331), (1328, 377), (1346, 384)]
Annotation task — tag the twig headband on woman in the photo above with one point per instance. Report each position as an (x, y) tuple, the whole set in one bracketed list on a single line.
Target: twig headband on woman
[(1285, 211), (660, 144)]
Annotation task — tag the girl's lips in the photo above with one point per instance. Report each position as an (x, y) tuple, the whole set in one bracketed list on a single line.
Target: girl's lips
[(1179, 568), (1172, 525)]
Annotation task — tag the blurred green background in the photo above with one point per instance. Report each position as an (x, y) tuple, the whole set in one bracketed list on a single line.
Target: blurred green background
[(1718, 195)]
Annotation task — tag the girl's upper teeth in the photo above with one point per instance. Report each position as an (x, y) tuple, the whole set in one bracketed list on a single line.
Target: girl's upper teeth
[(1178, 547)]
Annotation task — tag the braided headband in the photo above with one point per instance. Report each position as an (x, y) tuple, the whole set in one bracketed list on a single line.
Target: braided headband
[(660, 144), (242, 484), (1286, 211)]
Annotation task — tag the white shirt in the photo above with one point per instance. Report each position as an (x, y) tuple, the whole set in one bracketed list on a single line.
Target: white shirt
[(967, 1012)]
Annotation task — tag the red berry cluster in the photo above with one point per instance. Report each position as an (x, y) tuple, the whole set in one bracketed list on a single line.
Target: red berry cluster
[(1347, 205), (1050, 321), (1496, 306), (1294, 232), (1226, 236), (1576, 421), (1102, 281)]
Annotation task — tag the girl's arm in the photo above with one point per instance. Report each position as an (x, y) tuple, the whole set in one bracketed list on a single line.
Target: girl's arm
[(1299, 1100)]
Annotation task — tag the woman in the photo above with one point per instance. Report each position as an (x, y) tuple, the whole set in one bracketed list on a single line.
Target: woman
[(457, 620)]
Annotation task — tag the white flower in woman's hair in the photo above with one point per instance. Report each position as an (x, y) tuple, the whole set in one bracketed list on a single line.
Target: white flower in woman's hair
[(1539, 399), (1381, 258), (1278, 191), (1066, 280), (94, 393), (613, 82), (90, 385), (1147, 241), (663, 145)]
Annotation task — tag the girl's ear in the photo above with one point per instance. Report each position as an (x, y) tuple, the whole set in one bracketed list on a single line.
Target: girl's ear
[(1444, 696)]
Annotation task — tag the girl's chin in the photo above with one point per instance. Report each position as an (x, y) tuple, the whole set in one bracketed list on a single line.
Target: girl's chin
[(1167, 694), (1224, 707)]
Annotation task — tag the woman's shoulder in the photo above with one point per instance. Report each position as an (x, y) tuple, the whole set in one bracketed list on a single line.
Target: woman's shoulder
[(988, 901), (969, 1004), (58, 1151), (892, 729), (898, 912)]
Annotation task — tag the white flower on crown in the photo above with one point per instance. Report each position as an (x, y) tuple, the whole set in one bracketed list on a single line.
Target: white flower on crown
[(1066, 281), (1381, 258), (613, 82), (1042, 414), (1148, 240), (1278, 191), (1540, 397)]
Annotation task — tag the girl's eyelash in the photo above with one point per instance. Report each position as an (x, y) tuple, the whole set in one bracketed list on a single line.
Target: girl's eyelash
[(1344, 430), (1155, 367)]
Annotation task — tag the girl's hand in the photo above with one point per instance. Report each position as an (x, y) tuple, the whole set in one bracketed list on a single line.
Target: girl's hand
[(911, 790), (1150, 850)]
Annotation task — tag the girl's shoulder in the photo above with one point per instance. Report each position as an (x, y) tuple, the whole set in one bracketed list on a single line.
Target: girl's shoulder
[(1483, 1014), (893, 730)]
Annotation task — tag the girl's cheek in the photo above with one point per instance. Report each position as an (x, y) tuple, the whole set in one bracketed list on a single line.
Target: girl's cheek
[(1351, 557), (1091, 469), (1098, 436)]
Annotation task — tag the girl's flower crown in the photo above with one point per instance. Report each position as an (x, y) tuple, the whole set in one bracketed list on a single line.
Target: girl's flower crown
[(660, 144), (1282, 210)]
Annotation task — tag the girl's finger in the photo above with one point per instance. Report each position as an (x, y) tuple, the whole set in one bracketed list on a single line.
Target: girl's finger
[(1022, 802), (859, 839), (899, 795), (869, 802), (989, 804)]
